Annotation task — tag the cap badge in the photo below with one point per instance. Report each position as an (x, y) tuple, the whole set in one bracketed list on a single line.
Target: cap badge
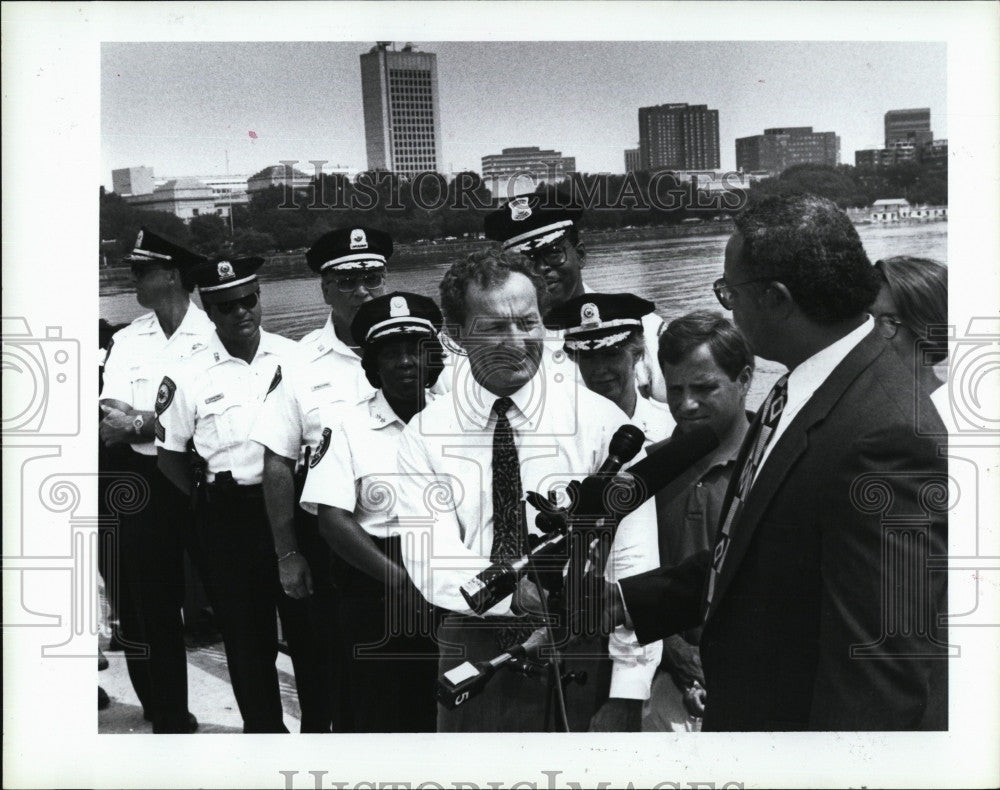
[(138, 241), (589, 315), (225, 271), (519, 209), (398, 307), (359, 241)]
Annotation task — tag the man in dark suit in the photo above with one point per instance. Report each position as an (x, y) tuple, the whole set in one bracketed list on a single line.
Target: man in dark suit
[(818, 607)]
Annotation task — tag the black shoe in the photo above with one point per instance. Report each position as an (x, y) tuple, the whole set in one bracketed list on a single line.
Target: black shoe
[(192, 722), (103, 700)]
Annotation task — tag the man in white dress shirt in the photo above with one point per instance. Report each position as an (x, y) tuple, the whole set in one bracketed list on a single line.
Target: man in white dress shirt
[(465, 463)]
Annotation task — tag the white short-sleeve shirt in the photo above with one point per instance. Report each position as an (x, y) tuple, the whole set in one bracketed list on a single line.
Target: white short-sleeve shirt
[(356, 456), (214, 398), (140, 353), (322, 371)]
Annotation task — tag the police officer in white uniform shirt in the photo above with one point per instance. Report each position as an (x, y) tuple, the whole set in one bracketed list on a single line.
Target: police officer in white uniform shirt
[(391, 658), (465, 464), (547, 234), (146, 581), (351, 263), (212, 399), (604, 335)]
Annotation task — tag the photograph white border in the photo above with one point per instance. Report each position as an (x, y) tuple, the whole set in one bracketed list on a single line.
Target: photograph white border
[(51, 171)]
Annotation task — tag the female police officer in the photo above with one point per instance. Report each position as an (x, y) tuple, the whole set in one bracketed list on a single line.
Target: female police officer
[(387, 625)]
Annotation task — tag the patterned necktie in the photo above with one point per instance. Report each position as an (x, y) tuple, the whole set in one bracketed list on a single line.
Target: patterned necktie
[(508, 505), (771, 411), (508, 508)]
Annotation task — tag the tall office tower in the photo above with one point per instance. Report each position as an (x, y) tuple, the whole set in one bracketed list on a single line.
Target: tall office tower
[(132, 181), (632, 160), (402, 120), (678, 137), (908, 126), (779, 149)]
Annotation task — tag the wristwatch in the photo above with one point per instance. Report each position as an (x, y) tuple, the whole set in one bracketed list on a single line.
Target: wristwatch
[(137, 424)]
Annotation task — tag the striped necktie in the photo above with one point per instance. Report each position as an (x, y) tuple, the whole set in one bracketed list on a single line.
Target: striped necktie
[(771, 411)]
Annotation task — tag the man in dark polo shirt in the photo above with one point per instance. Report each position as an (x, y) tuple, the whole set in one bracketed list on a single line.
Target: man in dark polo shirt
[(707, 367)]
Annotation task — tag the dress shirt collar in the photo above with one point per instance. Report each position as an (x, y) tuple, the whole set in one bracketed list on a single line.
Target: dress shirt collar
[(269, 344), (478, 408), (327, 342), (194, 322), (381, 413), (810, 374)]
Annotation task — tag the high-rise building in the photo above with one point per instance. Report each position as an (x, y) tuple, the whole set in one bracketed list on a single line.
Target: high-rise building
[(678, 137), (132, 181), (908, 126), (530, 163), (632, 160), (779, 149), (402, 120)]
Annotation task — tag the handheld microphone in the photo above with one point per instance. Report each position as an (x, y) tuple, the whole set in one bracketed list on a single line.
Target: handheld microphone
[(459, 685), (657, 470), (492, 585)]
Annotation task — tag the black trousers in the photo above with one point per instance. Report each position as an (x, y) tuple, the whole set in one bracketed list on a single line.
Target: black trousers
[(310, 628), (243, 586), (389, 654), (142, 562)]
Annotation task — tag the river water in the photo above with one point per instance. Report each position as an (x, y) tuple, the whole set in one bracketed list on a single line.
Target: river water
[(675, 273)]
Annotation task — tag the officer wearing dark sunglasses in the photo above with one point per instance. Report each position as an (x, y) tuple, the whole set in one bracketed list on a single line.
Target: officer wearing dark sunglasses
[(212, 399), (351, 264), (143, 562)]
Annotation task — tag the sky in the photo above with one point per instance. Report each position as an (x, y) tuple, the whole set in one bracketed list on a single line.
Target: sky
[(179, 107)]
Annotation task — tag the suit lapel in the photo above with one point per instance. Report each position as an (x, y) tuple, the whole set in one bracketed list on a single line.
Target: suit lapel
[(790, 446)]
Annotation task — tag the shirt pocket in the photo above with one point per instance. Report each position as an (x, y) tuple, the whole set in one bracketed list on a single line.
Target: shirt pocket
[(143, 387), (225, 422)]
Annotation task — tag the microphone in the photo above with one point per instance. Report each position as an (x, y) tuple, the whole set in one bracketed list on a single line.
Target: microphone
[(657, 470), (459, 685), (623, 447), (492, 585)]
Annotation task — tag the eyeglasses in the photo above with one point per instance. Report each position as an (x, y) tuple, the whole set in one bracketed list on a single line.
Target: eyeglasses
[(349, 284), (887, 325), (551, 255), (724, 291), (248, 302)]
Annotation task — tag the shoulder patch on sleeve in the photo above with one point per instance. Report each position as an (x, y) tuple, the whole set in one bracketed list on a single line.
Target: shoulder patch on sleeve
[(274, 382), (165, 395), (324, 445)]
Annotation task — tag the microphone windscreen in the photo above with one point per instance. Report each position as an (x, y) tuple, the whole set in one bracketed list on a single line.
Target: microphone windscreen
[(626, 443), (671, 460)]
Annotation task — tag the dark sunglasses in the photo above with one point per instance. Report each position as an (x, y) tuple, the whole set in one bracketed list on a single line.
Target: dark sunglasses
[(551, 255), (349, 284), (248, 302)]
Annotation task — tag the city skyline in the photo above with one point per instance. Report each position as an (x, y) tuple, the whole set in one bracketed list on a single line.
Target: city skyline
[(559, 95)]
